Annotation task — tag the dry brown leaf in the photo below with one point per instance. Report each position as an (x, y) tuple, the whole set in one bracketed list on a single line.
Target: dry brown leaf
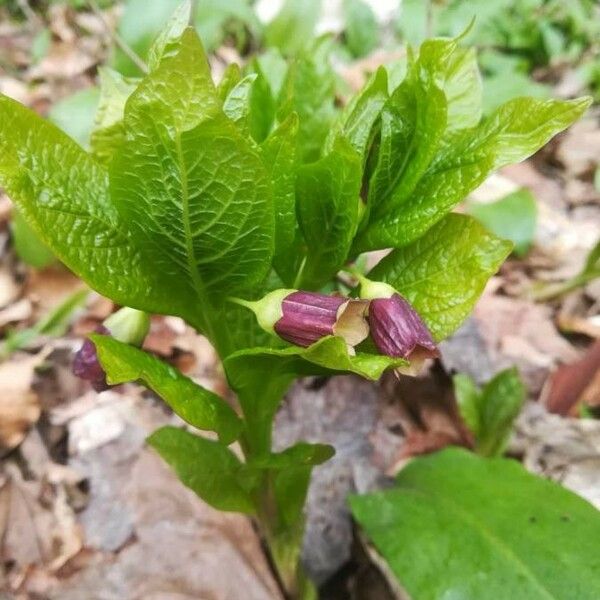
[(20, 310), (19, 404), (9, 288), (579, 147), (48, 288)]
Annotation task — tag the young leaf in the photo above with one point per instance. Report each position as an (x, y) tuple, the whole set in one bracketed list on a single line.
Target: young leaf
[(209, 468), (457, 525), (357, 121), (279, 155), (490, 412), (108, 133), (309, 90), (327, 197), (293, 25), (63, 195), (193, 191), (167, 42), (28, 245), (75, 114), (362, 30), (443, 273), (511, 134), (193, 403), (231, 77), (512, 217), (237, 103)]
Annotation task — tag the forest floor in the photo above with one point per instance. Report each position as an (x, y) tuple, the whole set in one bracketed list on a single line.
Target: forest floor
[(88, 511)]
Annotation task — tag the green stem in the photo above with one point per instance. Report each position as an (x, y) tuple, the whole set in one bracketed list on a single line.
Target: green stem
[(549, 292)]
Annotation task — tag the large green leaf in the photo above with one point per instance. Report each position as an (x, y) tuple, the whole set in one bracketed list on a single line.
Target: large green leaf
[(511, 134), (192, 189), (209, 468), (460, 526), (490, 413), (327, 203), (193, 403), (63, 195), (443, 273)]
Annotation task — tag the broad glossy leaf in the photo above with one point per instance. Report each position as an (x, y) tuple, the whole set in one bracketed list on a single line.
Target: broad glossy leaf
[(261, 376), (193, 403), (327, 203), (362, 30), (108, 133), (209, 468), (194, 192), (279, 155), (511, 134), (443, 273), (63, 194), (309, 91), (460, 526), (512, 217)]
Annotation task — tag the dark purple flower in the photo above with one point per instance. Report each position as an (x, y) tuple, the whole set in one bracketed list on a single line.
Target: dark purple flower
[(87, 366), (307, 317), (398, 330)]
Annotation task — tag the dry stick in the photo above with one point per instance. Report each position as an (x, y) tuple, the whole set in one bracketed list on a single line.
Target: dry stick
[(118, 40)]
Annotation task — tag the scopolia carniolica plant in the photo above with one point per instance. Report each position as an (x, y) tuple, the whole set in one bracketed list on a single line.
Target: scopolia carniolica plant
[(235, 206)]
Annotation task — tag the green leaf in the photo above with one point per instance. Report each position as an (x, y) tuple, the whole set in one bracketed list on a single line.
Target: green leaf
[(500, 404), (512, 217), (443, 273), (75, 114), (293, 26), (193, 403), (413, 121), (309, 91), (231, 77), (327, 197), (463, 89), (362, 30), (108, 133), (468, 397), (139, 26), (261, 376), (237, 103), (167, 42), (357, 122), (279, 155), (460, 526), (300, 454), (511, 134), (183, 159), (28, 245), (63, 194), (208, 468)]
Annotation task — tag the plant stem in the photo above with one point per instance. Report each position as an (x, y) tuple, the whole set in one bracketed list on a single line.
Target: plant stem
[(548, 292)]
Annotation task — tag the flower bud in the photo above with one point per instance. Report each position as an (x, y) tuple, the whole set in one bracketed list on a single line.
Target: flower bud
[(303, 318), (398, 330), (127, 325)]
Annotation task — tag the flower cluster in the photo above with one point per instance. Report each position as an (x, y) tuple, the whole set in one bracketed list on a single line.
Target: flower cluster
[(303, 318)]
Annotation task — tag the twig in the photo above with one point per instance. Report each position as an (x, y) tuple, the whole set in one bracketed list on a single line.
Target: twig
[(118, 40)]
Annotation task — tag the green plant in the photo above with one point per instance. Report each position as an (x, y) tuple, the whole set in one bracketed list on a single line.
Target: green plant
[(205, 202)]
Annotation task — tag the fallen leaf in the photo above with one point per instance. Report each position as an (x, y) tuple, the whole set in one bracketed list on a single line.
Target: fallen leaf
[(19, 404)]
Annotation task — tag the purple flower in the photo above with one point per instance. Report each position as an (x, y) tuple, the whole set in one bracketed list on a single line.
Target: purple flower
[(307, 317), (398, 330), (87, 366)]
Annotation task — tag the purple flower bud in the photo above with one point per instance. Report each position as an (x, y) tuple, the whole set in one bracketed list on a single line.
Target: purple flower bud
[(87, 366), (307, 317), (398, 330)]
